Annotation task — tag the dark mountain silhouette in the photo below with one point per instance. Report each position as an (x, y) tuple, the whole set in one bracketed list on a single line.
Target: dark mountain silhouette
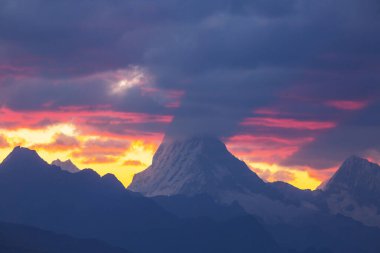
[(198, 206), (327, 233), (241, 234), (24, 239), (85, 205), (291, 194), (67, 165)]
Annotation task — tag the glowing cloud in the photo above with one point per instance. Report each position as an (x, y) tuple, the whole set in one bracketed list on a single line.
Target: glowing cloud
[(123, 80), (299, 177), (347, 104)]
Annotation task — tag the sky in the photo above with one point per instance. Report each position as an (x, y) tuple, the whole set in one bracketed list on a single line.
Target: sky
[(291, 86)]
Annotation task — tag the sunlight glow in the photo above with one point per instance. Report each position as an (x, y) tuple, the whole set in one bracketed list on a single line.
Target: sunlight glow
[(129, 78), (273, 172)]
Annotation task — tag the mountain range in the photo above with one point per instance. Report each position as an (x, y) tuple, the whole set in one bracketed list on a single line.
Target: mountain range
[(195, 197), (203, 165), (15, 238), (85, 205)]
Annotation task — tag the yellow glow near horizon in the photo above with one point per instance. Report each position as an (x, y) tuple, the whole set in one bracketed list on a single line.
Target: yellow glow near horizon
[(31, 137), (139, 151), (298, 178), (133, 159)]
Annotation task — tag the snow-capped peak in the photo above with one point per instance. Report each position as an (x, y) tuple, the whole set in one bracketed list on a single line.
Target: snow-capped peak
[(196, 165), (67, 165)]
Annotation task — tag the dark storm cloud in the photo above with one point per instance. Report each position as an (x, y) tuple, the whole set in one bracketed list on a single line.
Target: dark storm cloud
[(358, 135), (229, 56)]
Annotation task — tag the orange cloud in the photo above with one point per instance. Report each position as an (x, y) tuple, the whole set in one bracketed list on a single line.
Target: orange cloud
[(299, 177), (3, 142), (106, 145), (136, 163), (61, 142), (283, 175), (99, 160)]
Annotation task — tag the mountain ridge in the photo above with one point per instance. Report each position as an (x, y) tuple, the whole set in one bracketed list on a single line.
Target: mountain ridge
[(203, 160), (354, 191), (203, 165), (86, 205), (67, 165)]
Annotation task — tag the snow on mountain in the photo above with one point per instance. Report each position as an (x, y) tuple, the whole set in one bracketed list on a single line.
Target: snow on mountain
[(354, 190), (359, 177), (194, 166), (67, 165), (203, 165)]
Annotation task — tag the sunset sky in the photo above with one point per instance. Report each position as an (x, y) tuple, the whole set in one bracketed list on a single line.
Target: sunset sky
[(292, 89)]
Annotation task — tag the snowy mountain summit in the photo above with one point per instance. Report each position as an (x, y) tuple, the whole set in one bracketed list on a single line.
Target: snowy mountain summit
[(193, 166), (67, 165), (357, 176), (354, 190), (203, 165)]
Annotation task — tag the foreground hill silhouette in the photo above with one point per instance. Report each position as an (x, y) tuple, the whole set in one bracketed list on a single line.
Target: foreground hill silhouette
[(24, 239), (85, 205)]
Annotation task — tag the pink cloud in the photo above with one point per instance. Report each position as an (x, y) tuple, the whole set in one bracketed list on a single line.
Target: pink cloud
[(288, 123), (349, 105)]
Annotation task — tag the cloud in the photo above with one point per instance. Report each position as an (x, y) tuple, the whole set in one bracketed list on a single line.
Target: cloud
[(287, 123), (106, 144), (60, 142), (358, 135), (3, 142), (347, 105), (282, 175), (134, 163), (199, 67), (99, 160)]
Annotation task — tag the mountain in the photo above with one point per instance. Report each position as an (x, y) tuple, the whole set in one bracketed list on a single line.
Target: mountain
[(86, 205), (354, 190), (196, 166), (21, 158), (67, 165), (203, 165), (199, 206), (82, 204), (185, 171), (358, 177), (16, 238)]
